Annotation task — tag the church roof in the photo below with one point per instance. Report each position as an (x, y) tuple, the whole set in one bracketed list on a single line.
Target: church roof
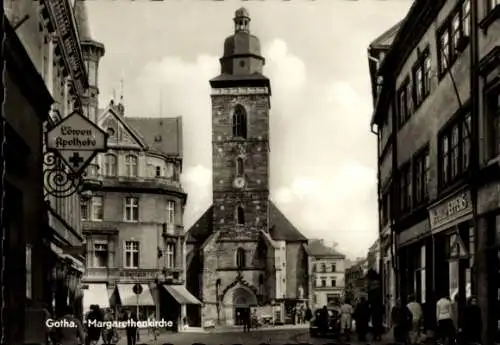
[(318, 248), (200, 230), (281, 229), (162, 134)]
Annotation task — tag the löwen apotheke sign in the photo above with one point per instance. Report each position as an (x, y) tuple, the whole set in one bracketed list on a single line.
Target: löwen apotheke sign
[(451, 209), (77, 140)]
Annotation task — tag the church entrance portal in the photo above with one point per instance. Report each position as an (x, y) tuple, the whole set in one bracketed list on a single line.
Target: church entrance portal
[(243, 299)]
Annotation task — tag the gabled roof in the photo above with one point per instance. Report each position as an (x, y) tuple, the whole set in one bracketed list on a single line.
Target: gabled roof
[(110, 109), (162, 134), (280, 228), (385, 40), (318, 248)]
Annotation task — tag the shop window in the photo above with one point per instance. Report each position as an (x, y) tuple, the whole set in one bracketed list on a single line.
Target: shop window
[(419, 279)]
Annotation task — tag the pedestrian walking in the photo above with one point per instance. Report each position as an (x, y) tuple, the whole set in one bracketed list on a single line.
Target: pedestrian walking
[(69, 335), (308, 315), (152, 329), (362, 317), (247, 321), (324, 320), (401, 320), (472, 323), (377, 315), (94, 331), (108, 333), (131, 328), (416, 316), (444, 316), (346, 312)]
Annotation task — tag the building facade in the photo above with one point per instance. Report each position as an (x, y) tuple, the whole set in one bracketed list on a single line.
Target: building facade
[(43, 86), (356, 281), (243, 253), (377, 50), (133, 221), (327, 275), (439, 172)]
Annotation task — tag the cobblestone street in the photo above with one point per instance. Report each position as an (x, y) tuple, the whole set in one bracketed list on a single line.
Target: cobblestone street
[(256, 337)]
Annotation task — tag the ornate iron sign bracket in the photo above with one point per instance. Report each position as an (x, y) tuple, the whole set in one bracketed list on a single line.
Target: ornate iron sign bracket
[(58, 181)]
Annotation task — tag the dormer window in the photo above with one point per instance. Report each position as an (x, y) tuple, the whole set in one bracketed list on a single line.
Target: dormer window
[(157, 138)]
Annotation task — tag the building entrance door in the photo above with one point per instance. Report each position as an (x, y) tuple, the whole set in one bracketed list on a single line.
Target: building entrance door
[(243, 299), (240, 315)]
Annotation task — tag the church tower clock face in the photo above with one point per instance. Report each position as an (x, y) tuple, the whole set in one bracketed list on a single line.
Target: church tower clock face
[(239, 182)]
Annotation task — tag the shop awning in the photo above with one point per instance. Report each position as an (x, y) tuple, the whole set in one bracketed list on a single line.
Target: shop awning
[(95, 294), (181, 294), (75, 263), (128, 297)]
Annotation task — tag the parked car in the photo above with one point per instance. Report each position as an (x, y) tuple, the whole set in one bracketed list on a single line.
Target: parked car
[(333, 323)]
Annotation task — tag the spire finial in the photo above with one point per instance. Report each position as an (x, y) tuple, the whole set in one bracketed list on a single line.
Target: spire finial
[(161, 102), (121, 89)]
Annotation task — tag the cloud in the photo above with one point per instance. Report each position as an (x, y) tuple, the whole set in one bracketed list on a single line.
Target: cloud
[(285, 69)]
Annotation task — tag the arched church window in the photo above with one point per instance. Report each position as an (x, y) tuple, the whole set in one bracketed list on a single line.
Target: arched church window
[(240, 215), (239, 122), (240, 166), (240, 258), (261, 279)]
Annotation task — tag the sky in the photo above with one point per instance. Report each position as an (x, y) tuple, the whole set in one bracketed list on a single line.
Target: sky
[(323, 155)]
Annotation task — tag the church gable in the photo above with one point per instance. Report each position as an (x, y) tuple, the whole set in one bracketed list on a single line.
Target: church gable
[(120, 134)]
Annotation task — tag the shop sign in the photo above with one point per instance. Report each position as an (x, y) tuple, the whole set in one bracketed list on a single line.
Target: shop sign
[(453, 208), (77, 140)]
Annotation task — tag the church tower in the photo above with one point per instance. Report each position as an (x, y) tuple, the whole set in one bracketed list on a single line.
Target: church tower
[(240, 137), (92, 52), (243, 252)]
